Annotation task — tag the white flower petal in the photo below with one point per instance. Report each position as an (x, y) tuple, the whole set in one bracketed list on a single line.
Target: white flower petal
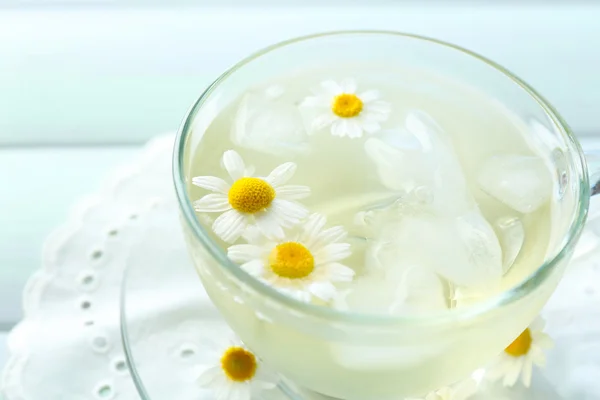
[(538, 324), (337, 272), (281, 174), (289, 212), (512, 374), (230, 225), (249, 171), (332, 252), (323, 290), (465, 389), (496, 371), (265, 380), (224, 391), (378, 110), (254, 267), (338, 128), (543, 340), (211, 183), (311, 227), (269, 224), (323, 121), (254, 236), (316, 101), (369, 96), (353, 128), (241, 253), (234, 164), (214, 202), (331, 88), (240, 391), (299, 295), (334, 234), (323, 238), (292, 192), (348, 86), (526, 373), (207, 377), (265, 385), (537, 355), (370, 126)]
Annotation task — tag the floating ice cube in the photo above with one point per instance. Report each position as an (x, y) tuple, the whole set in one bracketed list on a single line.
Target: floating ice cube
[(397, 290), (521, 182), (274, 91), (421, 155), (399, 168), (419, 289), (511, 235), (463, 249), (264, 124)]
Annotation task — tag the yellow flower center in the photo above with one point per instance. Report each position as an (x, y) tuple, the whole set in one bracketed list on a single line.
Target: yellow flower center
[(238, 364), (250, 195), (291, 260), (346, 105), (521, 345)]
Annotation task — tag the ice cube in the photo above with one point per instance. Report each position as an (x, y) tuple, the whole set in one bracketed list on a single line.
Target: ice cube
[(462, 249), (388, 285), (400, 289), (421, 155), (397, 290), (419, 289), (274, 91), (521, 182), (511, 235), (399, 168), (267, 125)]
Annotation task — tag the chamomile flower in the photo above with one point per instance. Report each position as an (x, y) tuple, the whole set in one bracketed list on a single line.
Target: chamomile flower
[(303, 264), (518, 358), (346, 112), (460, 391), (234, 372), (265, 202)]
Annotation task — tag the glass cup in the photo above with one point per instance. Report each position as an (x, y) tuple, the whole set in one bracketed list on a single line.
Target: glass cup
[(326, 353)]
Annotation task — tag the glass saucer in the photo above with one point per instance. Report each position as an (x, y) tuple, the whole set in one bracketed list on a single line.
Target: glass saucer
[(165, 313)]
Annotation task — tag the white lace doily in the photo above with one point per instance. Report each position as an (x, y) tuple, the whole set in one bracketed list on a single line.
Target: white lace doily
[(69, 346)]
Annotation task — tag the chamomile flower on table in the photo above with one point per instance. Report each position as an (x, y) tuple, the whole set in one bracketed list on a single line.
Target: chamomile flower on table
[(461, 391), (304, 264), (268, 203), (518, 358), (234, 372), (347, 112)]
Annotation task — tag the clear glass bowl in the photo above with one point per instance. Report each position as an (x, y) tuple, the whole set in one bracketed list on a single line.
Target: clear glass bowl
[(317, 348)]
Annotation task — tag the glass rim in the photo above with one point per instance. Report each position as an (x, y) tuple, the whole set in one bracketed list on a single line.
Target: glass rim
[(501, 299)]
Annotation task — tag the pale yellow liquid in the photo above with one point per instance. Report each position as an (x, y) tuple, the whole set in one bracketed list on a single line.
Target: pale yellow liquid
[(343, 181)]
